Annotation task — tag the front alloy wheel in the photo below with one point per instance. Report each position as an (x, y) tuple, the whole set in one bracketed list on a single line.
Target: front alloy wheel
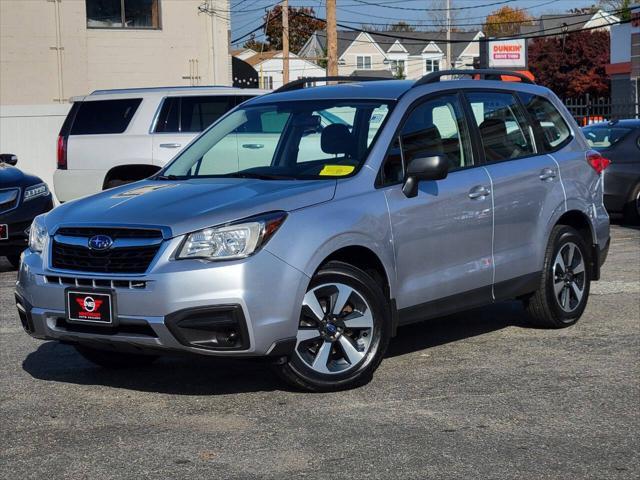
[(343, 331), (335, 328)]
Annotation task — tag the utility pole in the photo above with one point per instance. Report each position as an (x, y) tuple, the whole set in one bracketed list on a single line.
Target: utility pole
[(285, 41), (449, 62), (332, 39)]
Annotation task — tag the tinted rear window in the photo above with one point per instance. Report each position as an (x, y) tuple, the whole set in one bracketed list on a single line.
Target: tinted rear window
[(104, 116), (601, 138)]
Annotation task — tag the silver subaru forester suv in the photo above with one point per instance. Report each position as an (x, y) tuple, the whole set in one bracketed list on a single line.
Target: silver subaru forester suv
[(306, 225)]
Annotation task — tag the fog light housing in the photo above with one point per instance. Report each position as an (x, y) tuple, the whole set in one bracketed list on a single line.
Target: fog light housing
[(220, 327)]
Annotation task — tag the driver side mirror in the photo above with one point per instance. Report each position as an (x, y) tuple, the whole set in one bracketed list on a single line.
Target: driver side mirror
[(424, 166), (8, 158)]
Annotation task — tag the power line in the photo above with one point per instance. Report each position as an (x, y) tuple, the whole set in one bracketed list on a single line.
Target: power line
[(501, 2)]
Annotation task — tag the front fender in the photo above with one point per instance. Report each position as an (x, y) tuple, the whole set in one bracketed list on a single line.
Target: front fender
[(312, 234)]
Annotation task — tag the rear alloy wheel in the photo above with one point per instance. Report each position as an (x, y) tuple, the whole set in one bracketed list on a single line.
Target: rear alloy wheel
[(342, 331), (564, 287)]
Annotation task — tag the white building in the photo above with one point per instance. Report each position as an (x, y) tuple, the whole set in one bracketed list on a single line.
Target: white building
[(53, 50), (269, 66)]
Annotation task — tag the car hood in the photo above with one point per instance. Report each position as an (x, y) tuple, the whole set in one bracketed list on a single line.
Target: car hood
[(14, 177), (187, 205)]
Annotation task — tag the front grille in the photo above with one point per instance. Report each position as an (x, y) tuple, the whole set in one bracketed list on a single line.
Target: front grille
[(115, 260), (96, 282), (9, 199), (114, 233)]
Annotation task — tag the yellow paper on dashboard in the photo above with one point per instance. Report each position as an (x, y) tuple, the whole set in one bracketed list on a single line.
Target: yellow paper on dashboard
[(337, 170)]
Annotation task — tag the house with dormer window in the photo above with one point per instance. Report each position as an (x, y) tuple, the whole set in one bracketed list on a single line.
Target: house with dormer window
[(396, 54)]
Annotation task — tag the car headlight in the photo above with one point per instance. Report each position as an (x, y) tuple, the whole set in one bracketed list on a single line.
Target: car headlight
[(231, 241), (38, 234), (35, 191)]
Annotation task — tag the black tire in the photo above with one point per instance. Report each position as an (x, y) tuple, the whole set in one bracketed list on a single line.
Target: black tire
[(298, 374), (114, 360), (116, 182), (14, 260), (631, 214), (544, 306)]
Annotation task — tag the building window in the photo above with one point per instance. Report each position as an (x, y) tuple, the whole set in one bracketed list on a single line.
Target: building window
[(123, 14), (266, 82), (398, 68), (432, 65), (363, 62)]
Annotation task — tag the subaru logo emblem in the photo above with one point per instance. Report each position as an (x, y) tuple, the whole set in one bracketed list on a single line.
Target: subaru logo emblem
[(100, 242)]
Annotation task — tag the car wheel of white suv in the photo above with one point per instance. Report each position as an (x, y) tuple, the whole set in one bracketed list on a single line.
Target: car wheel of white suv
[(343, 331), (564, 287)]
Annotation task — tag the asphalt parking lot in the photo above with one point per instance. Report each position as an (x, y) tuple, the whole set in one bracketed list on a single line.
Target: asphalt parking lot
[(477, 395)]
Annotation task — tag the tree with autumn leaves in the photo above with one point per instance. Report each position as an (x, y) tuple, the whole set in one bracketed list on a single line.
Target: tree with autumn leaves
[(505, 21), (572, 65), (302, 25)]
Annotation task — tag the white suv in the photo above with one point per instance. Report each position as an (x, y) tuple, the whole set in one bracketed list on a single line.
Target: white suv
[(112, 137)]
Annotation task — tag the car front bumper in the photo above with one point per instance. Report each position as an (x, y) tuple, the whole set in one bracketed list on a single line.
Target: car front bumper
[(261, 292)]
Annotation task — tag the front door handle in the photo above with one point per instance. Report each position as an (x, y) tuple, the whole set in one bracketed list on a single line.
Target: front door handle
[(547, 174), (253, 146), (479, 192), (170, 145)]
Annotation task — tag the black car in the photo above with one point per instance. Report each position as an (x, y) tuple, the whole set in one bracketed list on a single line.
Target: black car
[(619, 141), (22, 198)]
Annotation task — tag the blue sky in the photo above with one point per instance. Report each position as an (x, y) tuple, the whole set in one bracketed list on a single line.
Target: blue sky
[(247, 14)]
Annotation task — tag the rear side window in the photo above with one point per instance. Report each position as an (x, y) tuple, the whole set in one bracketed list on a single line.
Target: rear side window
[(502, 124), (555, 131), (104, 116), (192, 114)]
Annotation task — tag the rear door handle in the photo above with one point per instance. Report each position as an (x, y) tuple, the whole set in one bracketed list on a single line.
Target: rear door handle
[(479, 192), (170, 145), (547, 174), (253, 146)]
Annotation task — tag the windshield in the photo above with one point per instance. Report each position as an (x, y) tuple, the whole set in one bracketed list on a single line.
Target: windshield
[(602, 138), (288, 140)]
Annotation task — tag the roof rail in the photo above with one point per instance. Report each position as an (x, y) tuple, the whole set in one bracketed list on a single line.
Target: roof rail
[(301, 82), (482, 72)]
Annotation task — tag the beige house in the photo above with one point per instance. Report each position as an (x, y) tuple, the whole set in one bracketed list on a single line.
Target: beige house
[(396, 54), (51, 50)]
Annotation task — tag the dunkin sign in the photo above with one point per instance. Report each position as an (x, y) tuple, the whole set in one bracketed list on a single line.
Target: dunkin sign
[(510, 54)]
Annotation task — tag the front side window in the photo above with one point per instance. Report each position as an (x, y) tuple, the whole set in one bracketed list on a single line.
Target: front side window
[(292, 140), (192, 114), (503, 128), (555, 131), (432, 65), (436, 127), (363, 62), (123, 13)]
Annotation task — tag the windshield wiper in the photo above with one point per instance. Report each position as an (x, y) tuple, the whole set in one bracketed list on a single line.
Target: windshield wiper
[(167, 177), (260, 176)]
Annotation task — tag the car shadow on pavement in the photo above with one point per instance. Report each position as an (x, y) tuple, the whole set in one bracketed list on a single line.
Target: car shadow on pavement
[(193, 375), (174, 374), (452, 328)]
